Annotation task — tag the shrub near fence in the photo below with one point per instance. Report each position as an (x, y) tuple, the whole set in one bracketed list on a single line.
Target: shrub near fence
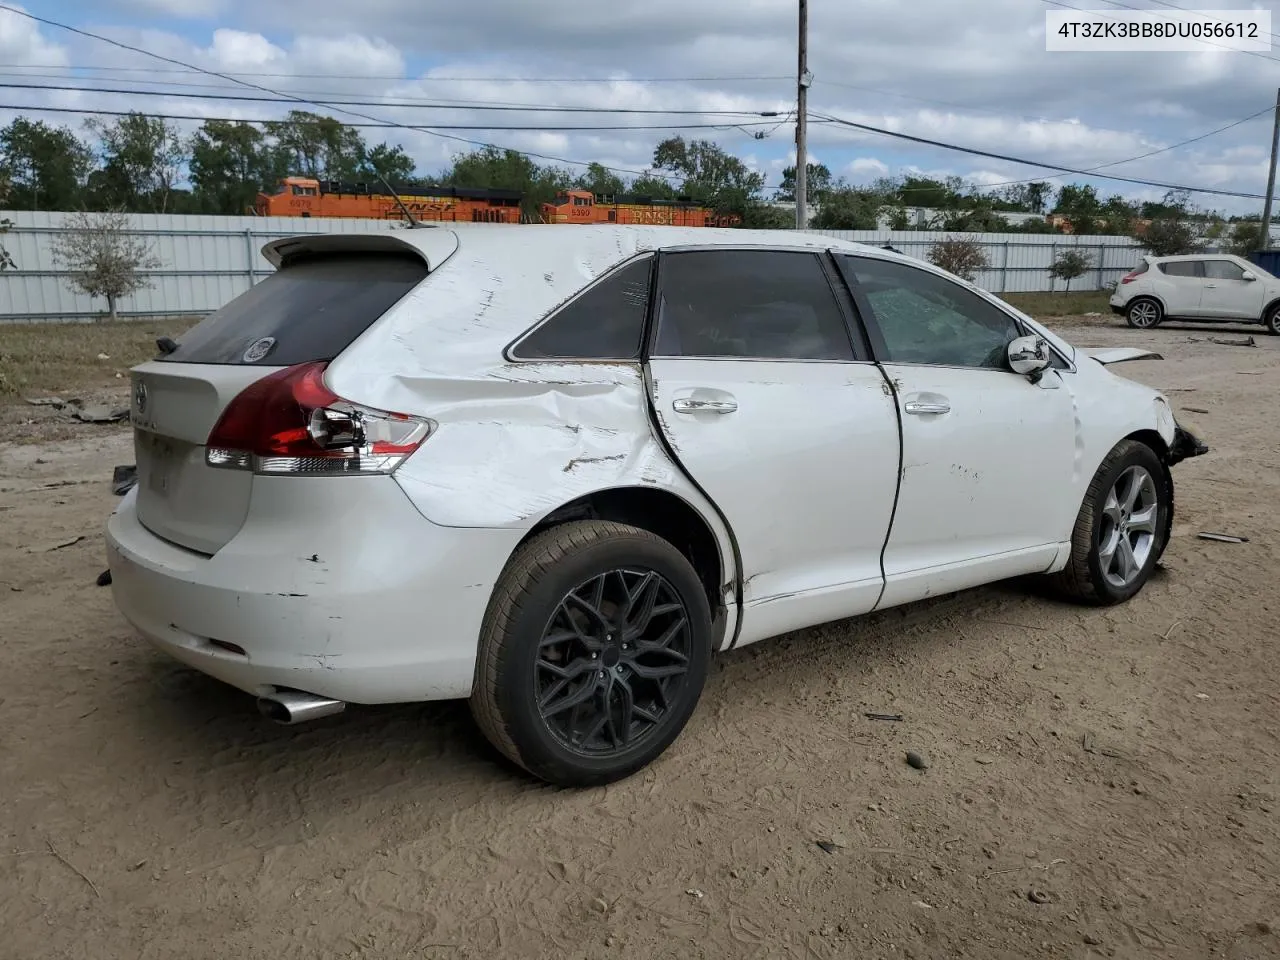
[(206, 261)]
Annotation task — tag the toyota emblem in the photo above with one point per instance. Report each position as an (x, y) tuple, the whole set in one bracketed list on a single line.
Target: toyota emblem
[(140, 396)]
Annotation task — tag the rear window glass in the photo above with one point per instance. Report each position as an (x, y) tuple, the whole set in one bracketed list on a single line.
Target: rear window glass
[(311, 310)]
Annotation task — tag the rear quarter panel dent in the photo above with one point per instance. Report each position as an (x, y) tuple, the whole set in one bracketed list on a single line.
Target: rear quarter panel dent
[(509, 451)]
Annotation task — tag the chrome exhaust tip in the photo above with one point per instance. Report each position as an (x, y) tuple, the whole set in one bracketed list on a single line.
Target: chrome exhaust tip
[(292, 706)]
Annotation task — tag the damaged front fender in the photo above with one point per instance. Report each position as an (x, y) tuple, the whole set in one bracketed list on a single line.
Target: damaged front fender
[(1185, 445)]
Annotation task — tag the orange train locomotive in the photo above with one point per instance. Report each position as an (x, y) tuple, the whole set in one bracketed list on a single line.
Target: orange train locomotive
[(581, 206), (305, 197)]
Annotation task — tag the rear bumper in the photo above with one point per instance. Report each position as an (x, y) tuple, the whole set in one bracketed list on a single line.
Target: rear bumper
[(334, 586), (1116, 307)]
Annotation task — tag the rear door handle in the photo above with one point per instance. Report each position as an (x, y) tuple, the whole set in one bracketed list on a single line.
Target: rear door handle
[(920, 408), (700, 405)]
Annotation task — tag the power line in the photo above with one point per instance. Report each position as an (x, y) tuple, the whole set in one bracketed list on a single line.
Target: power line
[(973, 151), (403, 79), (770, 124), (303, 100), (434, 105)]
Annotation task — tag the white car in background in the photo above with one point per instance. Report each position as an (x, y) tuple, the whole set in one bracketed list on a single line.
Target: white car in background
[(554, 470), (1215, 287)]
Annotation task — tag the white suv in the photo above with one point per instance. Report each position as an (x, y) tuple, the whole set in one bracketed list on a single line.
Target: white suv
[(555, 469), (1216, 286)]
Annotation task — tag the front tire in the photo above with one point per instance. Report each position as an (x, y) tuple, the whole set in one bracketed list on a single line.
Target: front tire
[(1272, 320), (1144, 313), (1122, 528), (593, 653)]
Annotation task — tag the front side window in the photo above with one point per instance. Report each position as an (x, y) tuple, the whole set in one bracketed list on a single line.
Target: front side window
[(1223, 270), (925, 318), (758, 304), (604, 322)]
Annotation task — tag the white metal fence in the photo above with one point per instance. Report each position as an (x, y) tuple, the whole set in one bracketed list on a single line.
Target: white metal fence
[(205, 261)]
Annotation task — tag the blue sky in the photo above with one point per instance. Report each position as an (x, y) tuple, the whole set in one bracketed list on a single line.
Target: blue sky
[(963, 71)]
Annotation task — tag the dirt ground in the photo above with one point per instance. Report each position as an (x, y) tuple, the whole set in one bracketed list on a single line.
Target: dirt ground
[(1099, 782)]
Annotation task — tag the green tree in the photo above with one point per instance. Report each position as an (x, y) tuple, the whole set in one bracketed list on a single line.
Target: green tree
[(229, 166), (1116, 217), (1171, 231), (142, 160), (1080, 206), (653, 185), (389, 162), (818, 184), (310, 145), (6, 261), (46, 166), (849, 208), (1245, 237), (1071, 264), (507, 170), (104, 259), (958, 255), (709, 174), (599, 179)]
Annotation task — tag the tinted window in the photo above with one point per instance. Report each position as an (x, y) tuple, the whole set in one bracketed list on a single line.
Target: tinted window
[(924, 318), (1223, 270), (604, 322), (313, 309), (1183, 268), (749, 303)]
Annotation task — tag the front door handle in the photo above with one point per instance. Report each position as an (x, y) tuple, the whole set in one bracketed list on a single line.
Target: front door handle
[(700, 405), (920, 408)]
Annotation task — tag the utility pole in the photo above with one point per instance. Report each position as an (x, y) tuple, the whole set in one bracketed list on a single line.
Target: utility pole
[(1271, 176), (803, 79)]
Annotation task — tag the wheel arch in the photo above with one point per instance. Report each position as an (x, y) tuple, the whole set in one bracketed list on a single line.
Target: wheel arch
[(1271, 304), (666, 514), (1148, 295)]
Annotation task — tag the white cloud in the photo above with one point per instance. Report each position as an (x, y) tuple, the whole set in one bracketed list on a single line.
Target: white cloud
[(968, 73)]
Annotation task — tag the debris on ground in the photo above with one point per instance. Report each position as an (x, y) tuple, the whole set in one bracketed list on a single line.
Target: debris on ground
[(1195, 410), (1222, 537), (75, 409), (915, 760), (695, 893), (104, 578), (123, 478), (893, 717), (1037, 896), (1221, 341), (50, 547), (100, 413)]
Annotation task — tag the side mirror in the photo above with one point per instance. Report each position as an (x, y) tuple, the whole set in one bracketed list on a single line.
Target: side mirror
[(1249, 275), (1029, 357)]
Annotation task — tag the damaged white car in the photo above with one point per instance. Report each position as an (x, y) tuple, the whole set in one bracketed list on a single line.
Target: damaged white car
[(554, 470)]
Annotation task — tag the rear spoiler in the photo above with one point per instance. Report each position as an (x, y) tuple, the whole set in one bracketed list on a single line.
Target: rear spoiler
[(433, 246), (1110, 355)]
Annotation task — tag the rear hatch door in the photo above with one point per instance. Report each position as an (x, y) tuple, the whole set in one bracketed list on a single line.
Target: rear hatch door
[(322, 298)]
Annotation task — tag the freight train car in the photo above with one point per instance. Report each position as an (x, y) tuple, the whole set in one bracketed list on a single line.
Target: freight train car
[(305, 197), (581, 206)]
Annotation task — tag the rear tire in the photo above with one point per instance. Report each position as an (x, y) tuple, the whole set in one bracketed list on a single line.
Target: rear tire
[(593, 653), (1144, 313), (1122, 528)]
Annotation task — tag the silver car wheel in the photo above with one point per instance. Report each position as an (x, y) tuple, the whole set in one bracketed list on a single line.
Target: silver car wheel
[(1130, 519), (1144, 314)]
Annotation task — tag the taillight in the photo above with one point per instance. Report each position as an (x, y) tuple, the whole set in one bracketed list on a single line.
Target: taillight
[(1131, 276), (290, 422)]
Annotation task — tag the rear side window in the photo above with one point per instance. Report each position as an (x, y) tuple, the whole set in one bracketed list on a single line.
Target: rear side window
[(1183, 268), (761, 304), (604, 322), (310, 310)]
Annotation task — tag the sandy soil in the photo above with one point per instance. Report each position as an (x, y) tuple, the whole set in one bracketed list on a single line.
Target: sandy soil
[(1121, 765)]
